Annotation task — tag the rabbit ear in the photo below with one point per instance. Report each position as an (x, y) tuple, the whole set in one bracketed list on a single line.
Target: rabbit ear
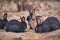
[(5, 14), (20, 17)]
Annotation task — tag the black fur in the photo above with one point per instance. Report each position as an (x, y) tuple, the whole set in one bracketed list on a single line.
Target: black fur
[(16, 26), (50, 24)]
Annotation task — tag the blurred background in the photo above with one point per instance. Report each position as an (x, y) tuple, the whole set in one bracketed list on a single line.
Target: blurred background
[(20, 7)]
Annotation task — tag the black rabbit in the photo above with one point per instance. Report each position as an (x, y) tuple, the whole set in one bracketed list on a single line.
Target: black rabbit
[(3, 21), (16, 26), (50, 24)]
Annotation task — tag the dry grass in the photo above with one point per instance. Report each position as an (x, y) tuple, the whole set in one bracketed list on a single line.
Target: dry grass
[(55, 35)]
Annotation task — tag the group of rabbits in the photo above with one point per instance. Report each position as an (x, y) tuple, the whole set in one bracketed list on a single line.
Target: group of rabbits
[(48, 25)]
